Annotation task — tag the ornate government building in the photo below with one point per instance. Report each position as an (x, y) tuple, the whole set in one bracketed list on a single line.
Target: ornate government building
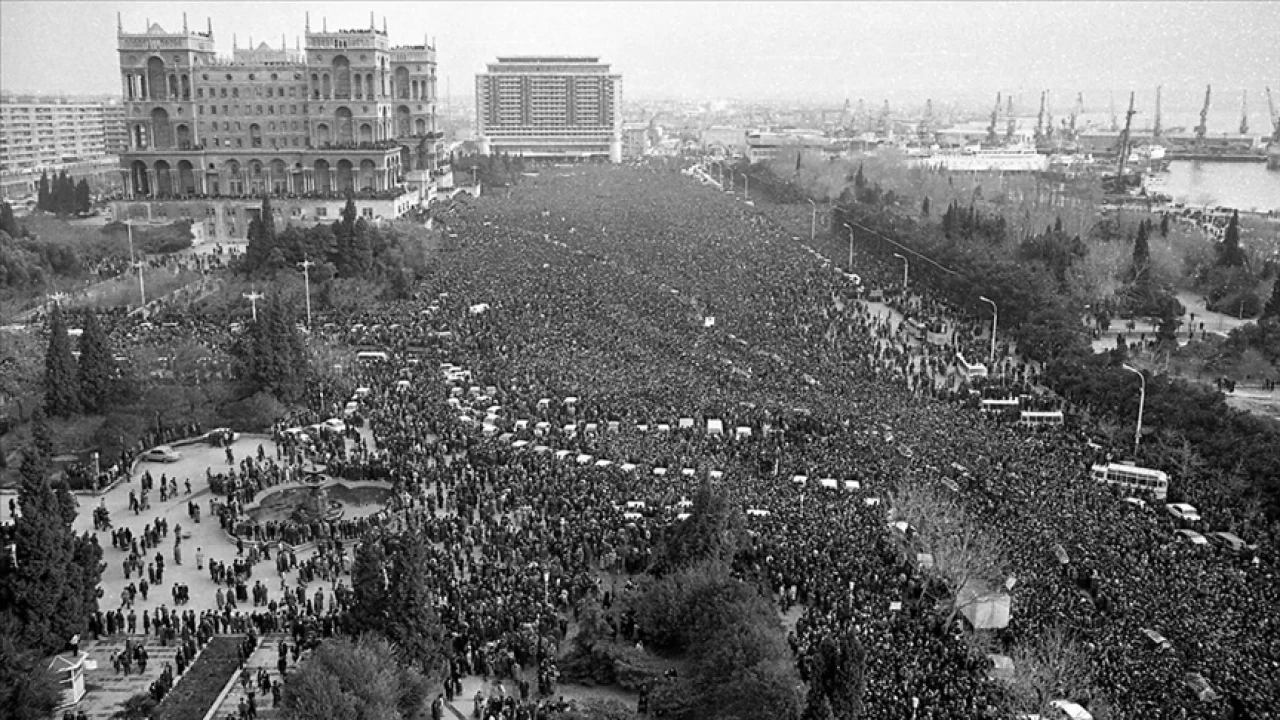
[(208, 137)]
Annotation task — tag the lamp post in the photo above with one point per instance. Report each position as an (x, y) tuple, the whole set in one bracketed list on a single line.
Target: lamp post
[(306, 266), (142, 286), (906, 266), (746, 185), (995, 315), (813, 220), (850, 246), (1142, 402), (253, 297), (134, 262)]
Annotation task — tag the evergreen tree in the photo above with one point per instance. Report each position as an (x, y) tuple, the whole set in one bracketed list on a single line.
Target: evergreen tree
[(272, 355), (84, 199), (28, 690), (41, 435), (924, 207), (45, 594), (393, 597), (98, 369), (42, 196), (65, 195), (1272, 310), (8, 223), (261, 235), (1164, 225), (1141, 252), (837, 678), (61, 386), (1230, 254)]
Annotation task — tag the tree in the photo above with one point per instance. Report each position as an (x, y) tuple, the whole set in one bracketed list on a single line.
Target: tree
[(41, 435), (710, 533), (1230, 253), (45, 594), (392, 597), (8, 223), (837, 678), (271, 354), (924, 207), (261, 235), (1049, 667), (28, 691), (1273, 305), (1141, 252), (62, 393), (98, 369), (354, 679), (84, 199), (42, 193)]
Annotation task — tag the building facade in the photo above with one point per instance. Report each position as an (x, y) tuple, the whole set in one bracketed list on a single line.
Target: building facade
[(567, 108), (50, 135), (346, 113)]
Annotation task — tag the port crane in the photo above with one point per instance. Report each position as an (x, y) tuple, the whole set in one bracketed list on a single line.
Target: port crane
[(995, 114), (1157, 128), (1124, 137), (1275, 118), (1012, 124), (1244, 114), (1203, 127), (1040, 121)]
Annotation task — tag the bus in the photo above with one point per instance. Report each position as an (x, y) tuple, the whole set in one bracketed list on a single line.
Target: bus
[(976, 370), (1000, 407), (1037, 419), (1132, 477)]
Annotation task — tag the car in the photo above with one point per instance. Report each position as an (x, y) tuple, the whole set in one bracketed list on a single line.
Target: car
[(162, 453), (1230, 541), (1183, 511), (334, 425), (350, 409), (1191, 536)]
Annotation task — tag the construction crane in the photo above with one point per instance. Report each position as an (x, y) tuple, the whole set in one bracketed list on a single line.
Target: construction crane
[(1115, 124), (1157, 128), (1203, 127), (1244, 113), (1048, 117)]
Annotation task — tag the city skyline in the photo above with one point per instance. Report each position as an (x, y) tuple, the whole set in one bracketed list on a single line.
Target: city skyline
[(765, 51)]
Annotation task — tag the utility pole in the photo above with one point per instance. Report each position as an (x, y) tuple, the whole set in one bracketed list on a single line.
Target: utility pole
[(995, 315), (850, 246), (306, 266), (1142, 402), (254, 297), (906, 266), (813, 221)]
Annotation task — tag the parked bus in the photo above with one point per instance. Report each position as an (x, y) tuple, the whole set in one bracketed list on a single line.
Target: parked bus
[(975, 370), (1000, 407), (1037, 419), (1139, 479)]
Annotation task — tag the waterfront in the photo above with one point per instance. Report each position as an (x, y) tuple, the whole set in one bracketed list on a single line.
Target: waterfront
[(1244, 186)]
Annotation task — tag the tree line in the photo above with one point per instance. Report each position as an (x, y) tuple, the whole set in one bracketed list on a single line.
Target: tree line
[(62, 195)]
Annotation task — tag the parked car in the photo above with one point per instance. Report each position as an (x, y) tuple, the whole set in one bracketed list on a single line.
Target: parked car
[(1191, 536), (1230, 541), (1183, 511), (162, 453)]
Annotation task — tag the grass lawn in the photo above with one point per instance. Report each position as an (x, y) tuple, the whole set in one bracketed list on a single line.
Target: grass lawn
[(198, 688)]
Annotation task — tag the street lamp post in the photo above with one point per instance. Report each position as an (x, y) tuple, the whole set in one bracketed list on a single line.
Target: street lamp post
[(253, 297), (134, 262), (850, 246), (906, 266), (995, 315), (813, 221), (746, 185), (142, 287), (306, 266), (1142, 403)]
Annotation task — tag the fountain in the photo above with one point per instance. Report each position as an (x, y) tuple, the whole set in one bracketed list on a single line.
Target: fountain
[(327, 501)]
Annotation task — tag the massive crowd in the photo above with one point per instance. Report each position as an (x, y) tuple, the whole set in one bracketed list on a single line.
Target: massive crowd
[(601, 340)]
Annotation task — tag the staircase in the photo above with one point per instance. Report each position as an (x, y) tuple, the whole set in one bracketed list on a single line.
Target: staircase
[(264, 656)]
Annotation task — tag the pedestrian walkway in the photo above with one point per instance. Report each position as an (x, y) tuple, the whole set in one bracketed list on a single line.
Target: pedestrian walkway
[(106, 689), (265, 656)]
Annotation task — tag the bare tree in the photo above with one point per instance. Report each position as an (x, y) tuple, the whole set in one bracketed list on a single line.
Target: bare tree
[(1051, 667)]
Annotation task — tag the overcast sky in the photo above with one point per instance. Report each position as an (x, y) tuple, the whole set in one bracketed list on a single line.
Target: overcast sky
[(780, 50)]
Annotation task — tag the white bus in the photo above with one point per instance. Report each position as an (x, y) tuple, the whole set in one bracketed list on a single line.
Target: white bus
[(1143, 480), (1000, 407), (974, 370), (1037, 419)]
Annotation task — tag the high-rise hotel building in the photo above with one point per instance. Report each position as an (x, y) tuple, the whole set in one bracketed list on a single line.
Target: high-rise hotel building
[(344, 113), (550, 108)]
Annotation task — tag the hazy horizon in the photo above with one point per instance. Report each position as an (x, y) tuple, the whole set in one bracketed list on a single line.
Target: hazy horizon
[(952, 52)]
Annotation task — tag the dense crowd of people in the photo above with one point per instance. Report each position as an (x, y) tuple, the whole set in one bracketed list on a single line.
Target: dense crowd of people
[(627, 332)]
